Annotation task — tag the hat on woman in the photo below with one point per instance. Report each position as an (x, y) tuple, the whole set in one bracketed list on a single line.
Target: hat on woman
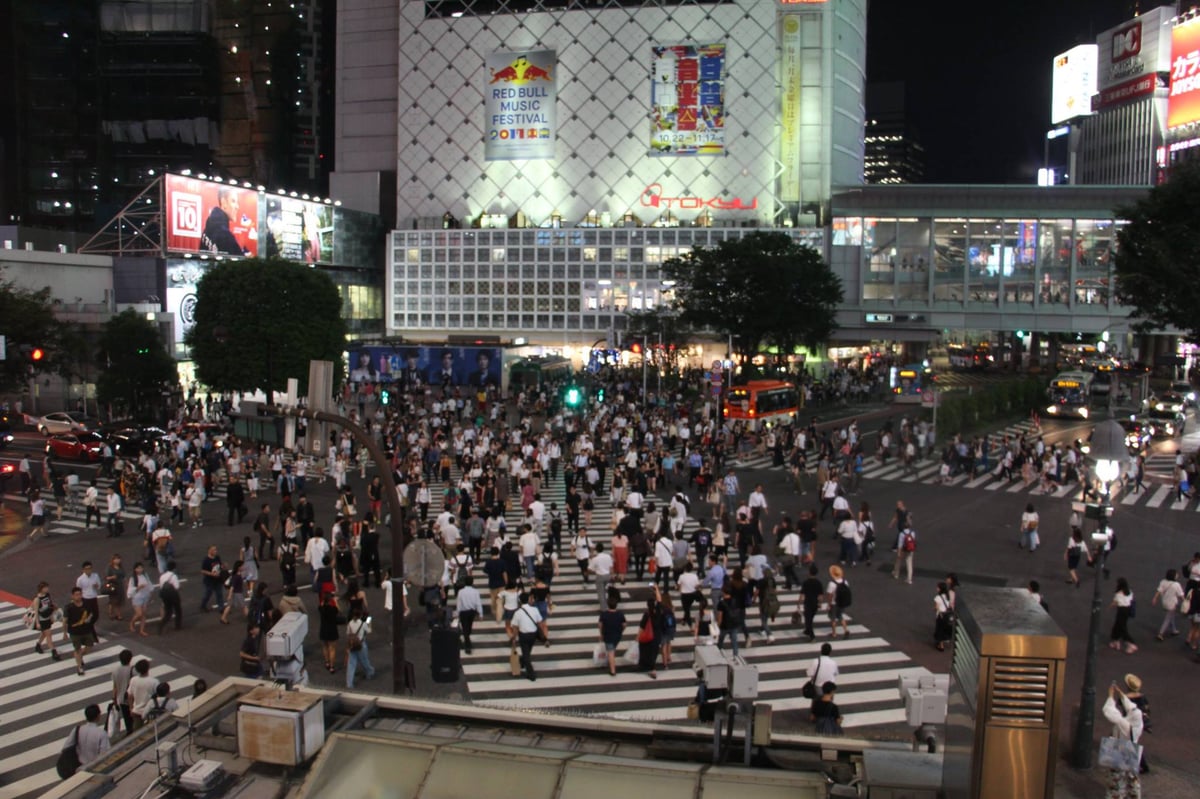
[(1133, 683), (835, 571)]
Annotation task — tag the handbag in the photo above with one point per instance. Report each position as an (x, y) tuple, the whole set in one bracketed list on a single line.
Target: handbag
[(1185, 604), (646, 634), (68, 759), (514, 660), (1120, 754), (809, 689), (112, 722)]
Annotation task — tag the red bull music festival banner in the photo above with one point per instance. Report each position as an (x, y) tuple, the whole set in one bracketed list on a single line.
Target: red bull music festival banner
[(521, 91)]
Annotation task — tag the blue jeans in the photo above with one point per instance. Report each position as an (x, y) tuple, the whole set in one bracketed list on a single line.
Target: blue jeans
[(733, 633), (849, 551), (360, 658), (212, 588)]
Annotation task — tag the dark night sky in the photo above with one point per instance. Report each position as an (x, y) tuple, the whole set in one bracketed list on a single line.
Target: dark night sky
[(977, 75)]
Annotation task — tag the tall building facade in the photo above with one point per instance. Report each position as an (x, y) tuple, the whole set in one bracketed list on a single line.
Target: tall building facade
[(1120, 142), (100, 96), (892, 152), (571, 133)]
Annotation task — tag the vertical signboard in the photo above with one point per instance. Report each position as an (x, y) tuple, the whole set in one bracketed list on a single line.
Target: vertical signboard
[(687, 99), (789, 112), (183, 276), (1074, 83), (1183, 104), (206, 217), (520, 95)]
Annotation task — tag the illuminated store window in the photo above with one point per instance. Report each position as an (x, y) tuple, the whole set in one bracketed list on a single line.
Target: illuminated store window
[(913, 258), (1055, 253), (1094, 242), (949, 253), (984, 261)]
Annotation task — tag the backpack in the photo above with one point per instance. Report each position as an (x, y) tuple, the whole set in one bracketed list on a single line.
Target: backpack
[(544, 570), (287, 560), (668, 621), (155, 710), (910, 543), (842, 595)]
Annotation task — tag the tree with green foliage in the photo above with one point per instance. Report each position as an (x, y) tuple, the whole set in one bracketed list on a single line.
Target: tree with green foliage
[(137, 368), (259, 322), (27, 322), (764, 288), (1157, 260), (659, 325)]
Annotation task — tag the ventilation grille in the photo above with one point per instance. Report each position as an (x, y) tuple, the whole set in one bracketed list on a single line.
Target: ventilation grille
[(1020, 691)]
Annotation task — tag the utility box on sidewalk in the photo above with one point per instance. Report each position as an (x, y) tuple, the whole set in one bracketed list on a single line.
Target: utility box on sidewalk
[(1006, 684)]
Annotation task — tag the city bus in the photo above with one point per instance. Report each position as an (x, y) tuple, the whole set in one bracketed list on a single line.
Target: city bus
[(910, 382), (1070, 394), (536, 371), (763, 402)]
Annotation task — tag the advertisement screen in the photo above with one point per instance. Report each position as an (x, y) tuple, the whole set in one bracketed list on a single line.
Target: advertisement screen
[(520, 95), (183, 275), (1183, 105), (687, 99), (206, 217), (297, 230), (417, 367), (791, 69), (1074, 83)]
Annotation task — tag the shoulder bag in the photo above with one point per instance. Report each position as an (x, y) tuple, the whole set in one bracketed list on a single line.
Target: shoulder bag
[(1120, 754), (68, 759), (809, 690)]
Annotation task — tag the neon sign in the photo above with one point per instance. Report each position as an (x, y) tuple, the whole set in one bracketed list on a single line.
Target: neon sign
[(652, 197)]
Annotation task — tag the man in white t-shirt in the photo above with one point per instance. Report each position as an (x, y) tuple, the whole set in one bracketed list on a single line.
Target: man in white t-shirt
[(823, 669), (525, 625), (758, 501), (688, 586), (601, 566), (528, 543)]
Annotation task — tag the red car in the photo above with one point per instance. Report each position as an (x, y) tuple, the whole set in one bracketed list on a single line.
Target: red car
[(76, 446)]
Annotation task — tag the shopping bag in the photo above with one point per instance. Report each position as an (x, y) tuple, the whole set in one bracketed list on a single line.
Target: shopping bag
[(112, 724), (1120, 754), (599, 656), (514, 661), (632, 653)]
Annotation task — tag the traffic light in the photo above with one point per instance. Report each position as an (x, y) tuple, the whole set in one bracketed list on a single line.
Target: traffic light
[(143, 351), (600, 395), (37, 354), (385, 397), (573, 397), (635, 346)]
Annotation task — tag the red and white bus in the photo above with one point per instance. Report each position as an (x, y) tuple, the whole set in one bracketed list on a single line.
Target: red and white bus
[(762, 402)]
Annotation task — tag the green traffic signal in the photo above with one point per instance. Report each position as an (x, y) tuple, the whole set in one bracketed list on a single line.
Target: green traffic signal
[(573, 397)]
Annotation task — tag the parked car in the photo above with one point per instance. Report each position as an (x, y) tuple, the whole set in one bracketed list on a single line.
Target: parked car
[(1186, 389), (76, 446), (66, 422)]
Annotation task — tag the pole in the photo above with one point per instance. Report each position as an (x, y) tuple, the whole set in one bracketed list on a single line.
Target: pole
[(1081, 756), (643, 371), (399, 533)]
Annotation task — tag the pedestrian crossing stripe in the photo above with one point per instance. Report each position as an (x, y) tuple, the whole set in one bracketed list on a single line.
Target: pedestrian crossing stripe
[(928, 472), (73, 518), (568, 680), (43, 700)]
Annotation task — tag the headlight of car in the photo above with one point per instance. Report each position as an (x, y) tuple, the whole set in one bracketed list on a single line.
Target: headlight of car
[(1158, 406), (1052, 409)]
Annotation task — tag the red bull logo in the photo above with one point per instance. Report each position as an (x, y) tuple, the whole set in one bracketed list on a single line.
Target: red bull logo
[(520, 71)]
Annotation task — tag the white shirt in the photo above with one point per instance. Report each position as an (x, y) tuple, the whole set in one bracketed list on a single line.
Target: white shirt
[(822, 670), (848, 529), (89, 584), (529, 544), (689, 583), (526, 619), (601, 565), (315, 551), (791, 544), (757, 500)]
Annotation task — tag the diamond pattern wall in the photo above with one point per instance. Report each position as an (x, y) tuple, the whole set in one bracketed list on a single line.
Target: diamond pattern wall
[(602, 159)]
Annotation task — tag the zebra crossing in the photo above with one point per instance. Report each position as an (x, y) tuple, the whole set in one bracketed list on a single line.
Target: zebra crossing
[(72, 521), (43, 700), (568, 681), (1159, 492)]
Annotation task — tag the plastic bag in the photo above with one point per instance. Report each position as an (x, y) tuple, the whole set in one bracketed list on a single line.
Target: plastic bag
[(632, 653), (599, 656), (113, 723)]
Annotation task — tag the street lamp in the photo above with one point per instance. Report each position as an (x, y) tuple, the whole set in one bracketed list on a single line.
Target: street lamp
[(1108, 449)]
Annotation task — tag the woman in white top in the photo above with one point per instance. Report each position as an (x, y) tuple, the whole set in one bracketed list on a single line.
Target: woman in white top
[(139, 589), (1029, 529), (1123, 602), (1127, 723), (581, 548), (1169, 592)]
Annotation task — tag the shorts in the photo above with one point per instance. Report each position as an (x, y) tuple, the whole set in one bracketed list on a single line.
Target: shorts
[(835, 612), (610, 646), (80, 641), (507, 615), (37, 521)]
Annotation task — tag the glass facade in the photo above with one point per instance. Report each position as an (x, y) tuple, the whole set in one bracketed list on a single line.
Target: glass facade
[(539, 280), (983, 263)]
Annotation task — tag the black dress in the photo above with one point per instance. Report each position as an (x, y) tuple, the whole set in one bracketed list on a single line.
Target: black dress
[(648, 652), (328, 631)]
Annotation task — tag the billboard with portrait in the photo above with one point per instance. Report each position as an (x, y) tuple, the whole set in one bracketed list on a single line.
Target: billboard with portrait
[(419, 366), (207, 217), (687, 99), (520, 96), (1183, 104), (297, 230)]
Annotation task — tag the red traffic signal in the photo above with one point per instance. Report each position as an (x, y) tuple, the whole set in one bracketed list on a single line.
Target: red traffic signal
[(37, 354), (635, 347)]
